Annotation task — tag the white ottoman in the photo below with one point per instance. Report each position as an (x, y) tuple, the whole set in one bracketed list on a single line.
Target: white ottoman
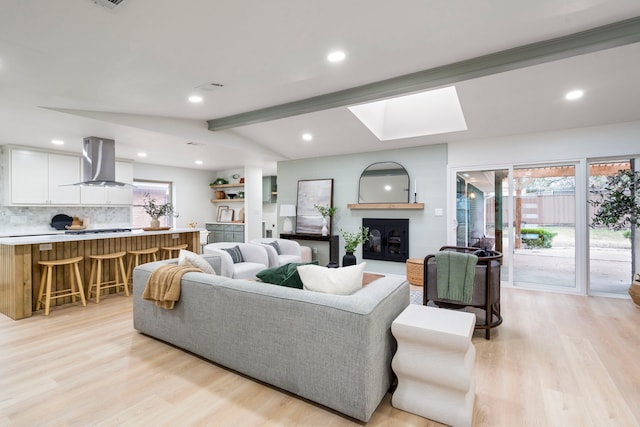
[(434, 364)]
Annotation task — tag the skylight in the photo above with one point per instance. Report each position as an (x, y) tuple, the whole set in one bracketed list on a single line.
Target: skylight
[(427, 113)]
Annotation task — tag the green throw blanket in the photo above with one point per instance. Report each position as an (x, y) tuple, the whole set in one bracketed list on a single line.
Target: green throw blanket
[(456, 272)]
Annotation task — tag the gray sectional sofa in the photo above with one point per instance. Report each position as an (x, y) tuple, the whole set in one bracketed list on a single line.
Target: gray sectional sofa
[(333, 350)]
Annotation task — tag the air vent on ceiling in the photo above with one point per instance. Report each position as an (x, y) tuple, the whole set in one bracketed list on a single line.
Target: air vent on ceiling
[(108, 3), (210, 86)]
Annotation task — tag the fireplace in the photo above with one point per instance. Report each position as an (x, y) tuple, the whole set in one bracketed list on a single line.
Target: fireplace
[(388, 241)]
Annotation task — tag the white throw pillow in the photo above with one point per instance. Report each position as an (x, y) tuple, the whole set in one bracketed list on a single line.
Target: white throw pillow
[(339, 281), (195, 260)]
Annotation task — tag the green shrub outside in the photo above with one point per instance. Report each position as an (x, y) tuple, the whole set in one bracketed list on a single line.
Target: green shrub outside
[(543, 240), (626, 234)]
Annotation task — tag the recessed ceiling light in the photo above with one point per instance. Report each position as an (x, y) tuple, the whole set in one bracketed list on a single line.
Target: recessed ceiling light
[(57, 141), (307, 136), (195, 98), (336, 56), (141, 154), (199, 162), (387, 187), (574, 94)]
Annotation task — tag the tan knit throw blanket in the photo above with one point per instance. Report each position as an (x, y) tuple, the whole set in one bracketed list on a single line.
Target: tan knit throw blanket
[(163, 285)]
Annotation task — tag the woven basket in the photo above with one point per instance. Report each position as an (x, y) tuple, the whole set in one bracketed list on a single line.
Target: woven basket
[(415, 271)]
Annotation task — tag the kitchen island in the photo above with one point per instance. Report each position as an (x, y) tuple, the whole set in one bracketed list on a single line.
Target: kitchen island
[(19, 256)]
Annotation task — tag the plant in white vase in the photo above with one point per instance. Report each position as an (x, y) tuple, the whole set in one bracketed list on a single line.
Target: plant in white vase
[(325, 211), (155, 210)]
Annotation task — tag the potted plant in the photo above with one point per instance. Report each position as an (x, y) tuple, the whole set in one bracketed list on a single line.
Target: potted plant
[(325, 211), (351, 242), (618, 207), (155, 210)]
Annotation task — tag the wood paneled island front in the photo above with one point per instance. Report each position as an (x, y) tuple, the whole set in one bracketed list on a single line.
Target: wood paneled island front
[(19, 256)]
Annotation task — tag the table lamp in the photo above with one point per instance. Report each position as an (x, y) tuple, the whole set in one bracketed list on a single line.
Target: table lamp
[(287, 211)]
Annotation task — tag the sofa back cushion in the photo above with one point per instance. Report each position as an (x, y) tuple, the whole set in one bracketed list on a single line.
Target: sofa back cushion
[(339, 281)]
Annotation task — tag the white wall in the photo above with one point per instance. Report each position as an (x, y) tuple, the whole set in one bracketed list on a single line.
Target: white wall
[(621, 139), (191, 191), (427, 165)]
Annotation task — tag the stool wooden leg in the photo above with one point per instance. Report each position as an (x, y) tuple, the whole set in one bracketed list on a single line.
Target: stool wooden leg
[(98, 281), (47, 300), (92, 277), (130, 267), (80, 284), (125, 283), (73, 283), (41, 290)]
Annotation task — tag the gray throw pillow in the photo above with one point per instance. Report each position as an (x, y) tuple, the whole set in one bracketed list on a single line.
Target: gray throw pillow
[(236, 254), (276, 246)]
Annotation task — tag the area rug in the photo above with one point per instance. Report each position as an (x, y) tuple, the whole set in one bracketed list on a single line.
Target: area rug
[(415, 297)]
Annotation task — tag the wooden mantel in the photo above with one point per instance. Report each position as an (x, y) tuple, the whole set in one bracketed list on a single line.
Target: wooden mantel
[(385, 206)]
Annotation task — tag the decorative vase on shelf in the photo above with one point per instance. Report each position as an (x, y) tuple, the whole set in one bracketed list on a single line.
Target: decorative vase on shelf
[(325, 230), (155, 223), (348, 259)]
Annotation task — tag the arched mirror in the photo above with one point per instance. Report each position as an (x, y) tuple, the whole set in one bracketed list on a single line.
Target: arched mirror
[(384, 182)]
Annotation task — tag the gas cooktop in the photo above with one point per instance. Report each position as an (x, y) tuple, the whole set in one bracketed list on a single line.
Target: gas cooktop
[(98, 230)]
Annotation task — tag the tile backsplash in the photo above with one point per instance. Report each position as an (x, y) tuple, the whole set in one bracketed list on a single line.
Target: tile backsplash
[(36, 219)]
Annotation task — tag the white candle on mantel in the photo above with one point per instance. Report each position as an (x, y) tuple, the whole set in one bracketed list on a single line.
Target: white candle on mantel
[(415, 187)]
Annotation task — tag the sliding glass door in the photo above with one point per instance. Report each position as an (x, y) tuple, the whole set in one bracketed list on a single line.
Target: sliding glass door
[(610, 252), (539, 218), (545, 227)]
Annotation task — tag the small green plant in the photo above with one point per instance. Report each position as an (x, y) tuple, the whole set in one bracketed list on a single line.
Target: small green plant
[(325, 210), (542, 237), (353, 239), (219, 181)]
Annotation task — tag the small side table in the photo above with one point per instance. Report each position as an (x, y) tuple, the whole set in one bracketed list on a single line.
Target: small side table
[(435, 364), (415, 271)]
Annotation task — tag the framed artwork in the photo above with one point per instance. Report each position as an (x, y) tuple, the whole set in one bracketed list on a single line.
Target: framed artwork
[(220, 210), (226, 215), (313, 192)]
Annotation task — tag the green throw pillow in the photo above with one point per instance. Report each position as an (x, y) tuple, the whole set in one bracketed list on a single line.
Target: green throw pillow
[(284, 275)]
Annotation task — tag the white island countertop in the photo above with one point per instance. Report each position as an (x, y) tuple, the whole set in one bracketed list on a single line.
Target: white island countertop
[(62, 237)]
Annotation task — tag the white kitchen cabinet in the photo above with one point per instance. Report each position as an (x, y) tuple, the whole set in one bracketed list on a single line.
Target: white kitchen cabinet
[(39, 178), (111, 195)]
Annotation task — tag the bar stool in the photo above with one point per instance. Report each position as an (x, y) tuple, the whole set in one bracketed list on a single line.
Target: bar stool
[(47, 274), (97, 272), (138, 255), (167, 251)]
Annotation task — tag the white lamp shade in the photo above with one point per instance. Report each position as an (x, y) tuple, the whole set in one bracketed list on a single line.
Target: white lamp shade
[(287, 210)]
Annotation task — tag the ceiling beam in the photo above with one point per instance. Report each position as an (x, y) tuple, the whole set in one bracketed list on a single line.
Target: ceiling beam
[(589, 41)]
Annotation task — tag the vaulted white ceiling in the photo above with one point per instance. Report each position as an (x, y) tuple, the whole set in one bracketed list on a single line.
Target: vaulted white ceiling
[(73, 69)]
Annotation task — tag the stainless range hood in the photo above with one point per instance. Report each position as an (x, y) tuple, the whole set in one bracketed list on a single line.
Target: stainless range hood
[(99, 163)]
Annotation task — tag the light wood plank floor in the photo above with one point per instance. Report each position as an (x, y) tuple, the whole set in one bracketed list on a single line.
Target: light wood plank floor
[(558, 360)]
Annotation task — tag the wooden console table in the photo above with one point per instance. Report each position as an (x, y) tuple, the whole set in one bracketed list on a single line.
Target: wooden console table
[(334, 241)]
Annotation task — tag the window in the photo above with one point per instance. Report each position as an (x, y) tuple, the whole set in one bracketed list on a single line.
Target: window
[(160, 192)]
